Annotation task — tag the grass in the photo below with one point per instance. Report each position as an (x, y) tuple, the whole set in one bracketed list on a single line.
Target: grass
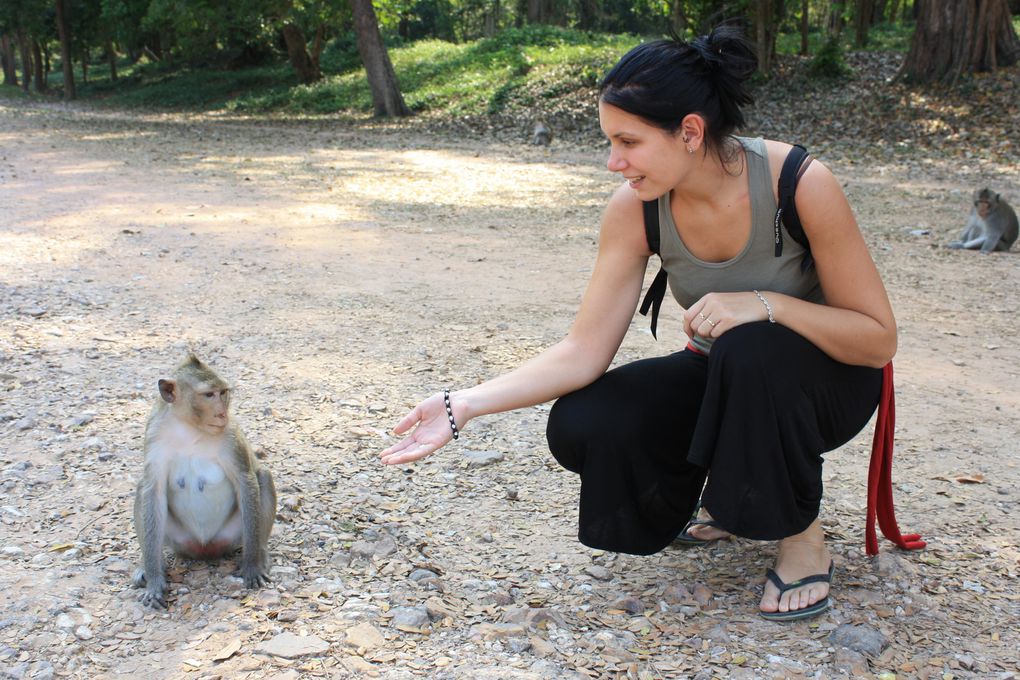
[(517, 68)]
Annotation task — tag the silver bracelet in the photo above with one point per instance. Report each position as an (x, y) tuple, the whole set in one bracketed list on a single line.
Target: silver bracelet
[(768, 307)]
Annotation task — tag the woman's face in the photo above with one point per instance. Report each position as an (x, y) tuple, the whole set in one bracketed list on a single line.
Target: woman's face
[(649, 158)]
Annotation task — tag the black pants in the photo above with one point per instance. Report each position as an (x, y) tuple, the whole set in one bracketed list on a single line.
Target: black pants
[(754, 417)]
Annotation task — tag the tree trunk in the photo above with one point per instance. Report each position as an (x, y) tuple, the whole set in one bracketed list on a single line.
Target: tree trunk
[(65, 50), (862, 21), (111, 59), (587, 14), (10, 68), (304, 67), (26, 60), (37, 62), (954, 37), (678, 17), (894, 9), (382, 80), (767, 18), (835, 23), (878, 11), (85, 65), (804, 27)]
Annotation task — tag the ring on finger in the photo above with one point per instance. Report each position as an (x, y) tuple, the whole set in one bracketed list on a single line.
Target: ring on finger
[(710, 322), (703, 317)]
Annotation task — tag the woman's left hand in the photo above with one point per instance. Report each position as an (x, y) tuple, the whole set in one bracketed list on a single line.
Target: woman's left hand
[(716, 313)]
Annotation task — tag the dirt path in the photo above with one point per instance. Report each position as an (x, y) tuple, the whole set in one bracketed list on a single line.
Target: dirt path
[(336, 276)]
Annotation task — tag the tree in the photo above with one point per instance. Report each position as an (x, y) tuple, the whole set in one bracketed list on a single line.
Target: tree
[(768, 15), (382, 80), (7, 55), (954, 37), (63, 28)]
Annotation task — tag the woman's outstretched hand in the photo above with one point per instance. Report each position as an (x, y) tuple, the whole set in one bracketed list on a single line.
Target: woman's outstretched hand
[(431, 432)]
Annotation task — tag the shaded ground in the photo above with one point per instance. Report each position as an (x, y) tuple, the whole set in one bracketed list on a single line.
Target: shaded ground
[(336, 276)]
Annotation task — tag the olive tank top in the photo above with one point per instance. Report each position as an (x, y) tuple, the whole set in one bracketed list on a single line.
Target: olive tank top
[(755, 266)]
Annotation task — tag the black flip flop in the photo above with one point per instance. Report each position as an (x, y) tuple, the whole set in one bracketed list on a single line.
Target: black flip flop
[(685, 537), (807, 612)]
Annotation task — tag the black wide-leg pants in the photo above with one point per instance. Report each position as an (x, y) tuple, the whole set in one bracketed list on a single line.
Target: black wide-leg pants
[(755, 417)]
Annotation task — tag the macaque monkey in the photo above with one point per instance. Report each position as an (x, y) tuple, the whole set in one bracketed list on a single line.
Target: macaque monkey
[(541, 135), (992, 224), (202, 492)]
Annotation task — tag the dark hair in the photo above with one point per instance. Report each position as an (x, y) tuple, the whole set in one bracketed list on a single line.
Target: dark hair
[(665, 80)]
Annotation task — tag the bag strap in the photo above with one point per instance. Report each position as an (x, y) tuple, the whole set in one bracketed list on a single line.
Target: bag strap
[(796, 163), (656, 291), (880, 496)]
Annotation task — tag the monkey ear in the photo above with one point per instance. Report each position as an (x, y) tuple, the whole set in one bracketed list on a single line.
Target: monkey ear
[(168, 390)]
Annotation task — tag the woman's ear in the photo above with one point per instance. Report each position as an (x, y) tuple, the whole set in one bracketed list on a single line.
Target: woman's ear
[(692, 131)]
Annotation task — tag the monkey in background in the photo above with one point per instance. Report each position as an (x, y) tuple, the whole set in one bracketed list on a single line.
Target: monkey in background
[(202, 492), (992, 224), (541, 135)]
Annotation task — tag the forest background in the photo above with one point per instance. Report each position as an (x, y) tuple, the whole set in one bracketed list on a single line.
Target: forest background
[(451, 59)]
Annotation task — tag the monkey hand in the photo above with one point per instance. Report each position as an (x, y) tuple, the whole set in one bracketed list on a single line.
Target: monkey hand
[(254, 576), (431, 432)]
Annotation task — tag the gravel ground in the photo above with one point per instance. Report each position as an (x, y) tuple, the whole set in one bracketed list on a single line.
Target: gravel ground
[(336, 274)]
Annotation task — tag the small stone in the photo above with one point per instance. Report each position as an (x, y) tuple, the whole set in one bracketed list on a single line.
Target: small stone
[(496, 631), (12, 552), (599, 573), (850, 662), (482, 458), (541, 648), (291, 646), (83, 633), (410, 619), (859, 638), (26, 423), (365, 636), (420, 574), (535, 617), (631, 605)]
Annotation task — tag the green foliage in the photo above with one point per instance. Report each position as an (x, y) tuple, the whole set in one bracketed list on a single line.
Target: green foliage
[(828, 62)]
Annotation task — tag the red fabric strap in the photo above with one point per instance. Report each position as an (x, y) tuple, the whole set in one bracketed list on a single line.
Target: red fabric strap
[(880, 498)]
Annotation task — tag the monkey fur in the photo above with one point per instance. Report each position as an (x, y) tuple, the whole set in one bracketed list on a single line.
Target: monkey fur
[(992, 224), (202, 492)]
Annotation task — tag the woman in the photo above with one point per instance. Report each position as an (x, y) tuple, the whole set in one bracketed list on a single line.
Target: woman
[(784, 361)]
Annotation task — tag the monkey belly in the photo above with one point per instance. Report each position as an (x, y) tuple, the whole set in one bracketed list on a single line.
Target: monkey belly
[(203, 504)]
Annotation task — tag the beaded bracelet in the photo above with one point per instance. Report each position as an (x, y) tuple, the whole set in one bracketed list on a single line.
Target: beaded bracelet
[(768, 307), (449, 414)]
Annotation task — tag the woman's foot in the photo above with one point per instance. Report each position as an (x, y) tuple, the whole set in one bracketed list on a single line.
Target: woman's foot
[(704, 528), (800, 556)]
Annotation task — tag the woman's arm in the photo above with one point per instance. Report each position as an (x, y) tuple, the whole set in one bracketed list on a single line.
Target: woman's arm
[(856, 325), (582, 356)]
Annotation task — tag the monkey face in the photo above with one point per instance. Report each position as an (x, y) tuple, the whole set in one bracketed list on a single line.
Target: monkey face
[(210, 405)]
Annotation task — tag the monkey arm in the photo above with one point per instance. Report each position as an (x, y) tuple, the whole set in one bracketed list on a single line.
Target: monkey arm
[(249, 497), (151, 500)]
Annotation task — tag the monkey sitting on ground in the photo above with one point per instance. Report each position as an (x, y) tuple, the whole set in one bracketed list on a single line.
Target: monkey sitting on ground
[(202, 492), (541, 135), (992, 224)]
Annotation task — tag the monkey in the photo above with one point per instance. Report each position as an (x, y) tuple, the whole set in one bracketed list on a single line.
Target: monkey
[(202, 491), (541, 135), (992, 224)]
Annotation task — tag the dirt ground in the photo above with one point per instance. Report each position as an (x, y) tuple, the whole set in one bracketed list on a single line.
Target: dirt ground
[(336, 275)]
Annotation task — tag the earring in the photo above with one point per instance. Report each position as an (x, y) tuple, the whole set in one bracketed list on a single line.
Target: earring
[(689, 149)]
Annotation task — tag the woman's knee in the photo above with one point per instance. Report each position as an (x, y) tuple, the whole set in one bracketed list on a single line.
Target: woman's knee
[(759, 346)]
